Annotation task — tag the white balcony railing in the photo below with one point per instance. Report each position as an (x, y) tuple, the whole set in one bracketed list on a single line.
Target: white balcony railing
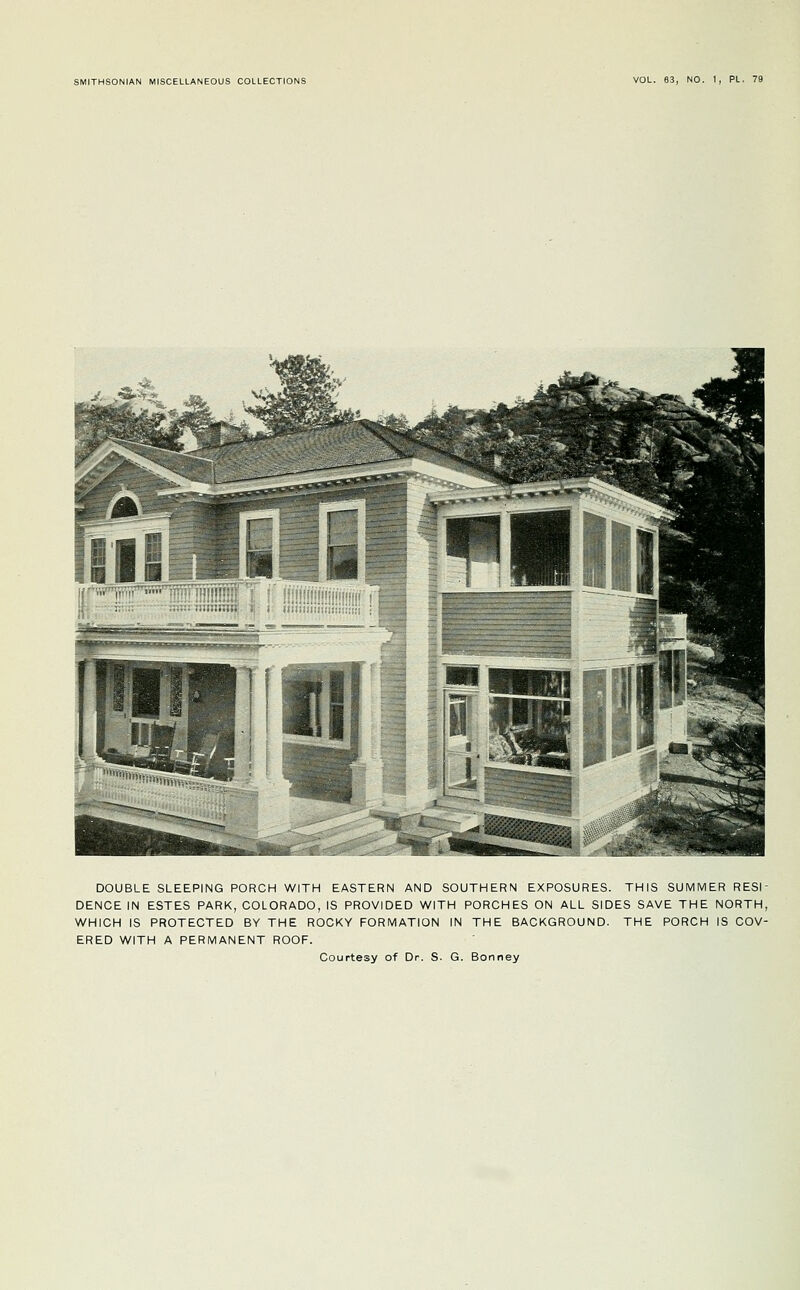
[(227, 602), (157, 791), (671, 627)]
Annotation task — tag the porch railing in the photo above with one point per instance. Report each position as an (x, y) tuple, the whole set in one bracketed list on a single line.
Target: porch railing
[(188, 796), (226, 602)]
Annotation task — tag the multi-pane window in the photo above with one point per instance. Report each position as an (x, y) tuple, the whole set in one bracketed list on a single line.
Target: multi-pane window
[(529, 717), (342, 544), (594, 716), (540, 549), (594, 550), (473, 551), (152, 557), (97, 560), (672, 678), (644, 562), (315, 704), (621, 731), (620, 556), (259, 563), (645, 705)]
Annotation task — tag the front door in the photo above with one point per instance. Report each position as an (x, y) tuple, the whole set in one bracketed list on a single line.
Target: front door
[(126, 560), (460, 743)]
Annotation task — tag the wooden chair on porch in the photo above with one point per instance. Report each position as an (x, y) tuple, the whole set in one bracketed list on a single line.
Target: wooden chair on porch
[(161, 747), (198, 763)]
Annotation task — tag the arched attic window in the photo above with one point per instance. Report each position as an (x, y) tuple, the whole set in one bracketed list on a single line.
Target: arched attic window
[(124, 506)]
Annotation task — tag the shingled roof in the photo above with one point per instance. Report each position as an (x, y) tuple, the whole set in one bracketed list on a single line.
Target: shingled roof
[(191, 465), (353, 443)]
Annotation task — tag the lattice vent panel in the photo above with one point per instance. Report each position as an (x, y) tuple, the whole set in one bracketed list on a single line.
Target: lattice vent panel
[(596, 829), (546, 835)]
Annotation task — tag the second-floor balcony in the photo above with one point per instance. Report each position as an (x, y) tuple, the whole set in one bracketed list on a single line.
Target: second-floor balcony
[(255, 603)]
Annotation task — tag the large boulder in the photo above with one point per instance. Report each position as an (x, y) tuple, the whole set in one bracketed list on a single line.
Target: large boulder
[(698, 653)]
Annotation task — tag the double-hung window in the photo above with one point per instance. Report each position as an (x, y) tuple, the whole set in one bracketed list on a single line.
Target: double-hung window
[(97, 567), (342, 541), (152, 557), (258, 544)]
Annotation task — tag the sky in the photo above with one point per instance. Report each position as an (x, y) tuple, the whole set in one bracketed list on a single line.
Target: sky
[(381, 380)]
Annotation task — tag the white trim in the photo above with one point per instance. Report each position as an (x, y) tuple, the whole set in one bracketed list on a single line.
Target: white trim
[(124, 520), (132, 526), (610, 495), (524, 813), (520, 662), (244, 519), (123, 492), (342, 475), (359, 505), (482, 591), (526, 770), (105, 449)]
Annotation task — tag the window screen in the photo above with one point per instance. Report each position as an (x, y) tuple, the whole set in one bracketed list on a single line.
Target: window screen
[(540, 549), (594, 550)]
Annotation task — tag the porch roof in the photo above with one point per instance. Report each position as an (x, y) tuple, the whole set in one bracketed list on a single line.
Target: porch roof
[(599, 489)]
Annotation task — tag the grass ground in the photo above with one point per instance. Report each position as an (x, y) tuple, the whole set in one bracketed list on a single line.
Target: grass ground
[(693, 819), (106, 838)]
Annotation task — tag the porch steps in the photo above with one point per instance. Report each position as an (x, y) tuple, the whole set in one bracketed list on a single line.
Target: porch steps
[(359, 833), (425, 840), (450, 818)]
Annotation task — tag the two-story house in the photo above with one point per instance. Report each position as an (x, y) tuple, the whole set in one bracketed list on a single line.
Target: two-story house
[(319, 635)]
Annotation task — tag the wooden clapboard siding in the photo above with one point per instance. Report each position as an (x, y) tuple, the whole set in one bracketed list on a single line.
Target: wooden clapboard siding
[(527, 790), (96, 502), (603, 785), (613, 626), (135, 480), (79, 554), (507, 622), (386, 566), (192, 531), (319, 770)]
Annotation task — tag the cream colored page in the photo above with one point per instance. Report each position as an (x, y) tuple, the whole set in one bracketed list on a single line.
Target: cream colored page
[(614, 1111)]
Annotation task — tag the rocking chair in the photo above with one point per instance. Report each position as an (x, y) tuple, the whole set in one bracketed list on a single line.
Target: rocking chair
[(161, 748), (198, 763)]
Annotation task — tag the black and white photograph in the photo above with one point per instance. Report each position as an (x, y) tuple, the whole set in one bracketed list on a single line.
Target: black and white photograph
[(526, 624), (394, 892)]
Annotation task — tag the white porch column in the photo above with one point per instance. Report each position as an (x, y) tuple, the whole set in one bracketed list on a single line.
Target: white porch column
[(241, 730), (367, 771), (258, 806), (365, 712), (89, 710), (258, 759), (77, 713), (275, 723), (375, 669)]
